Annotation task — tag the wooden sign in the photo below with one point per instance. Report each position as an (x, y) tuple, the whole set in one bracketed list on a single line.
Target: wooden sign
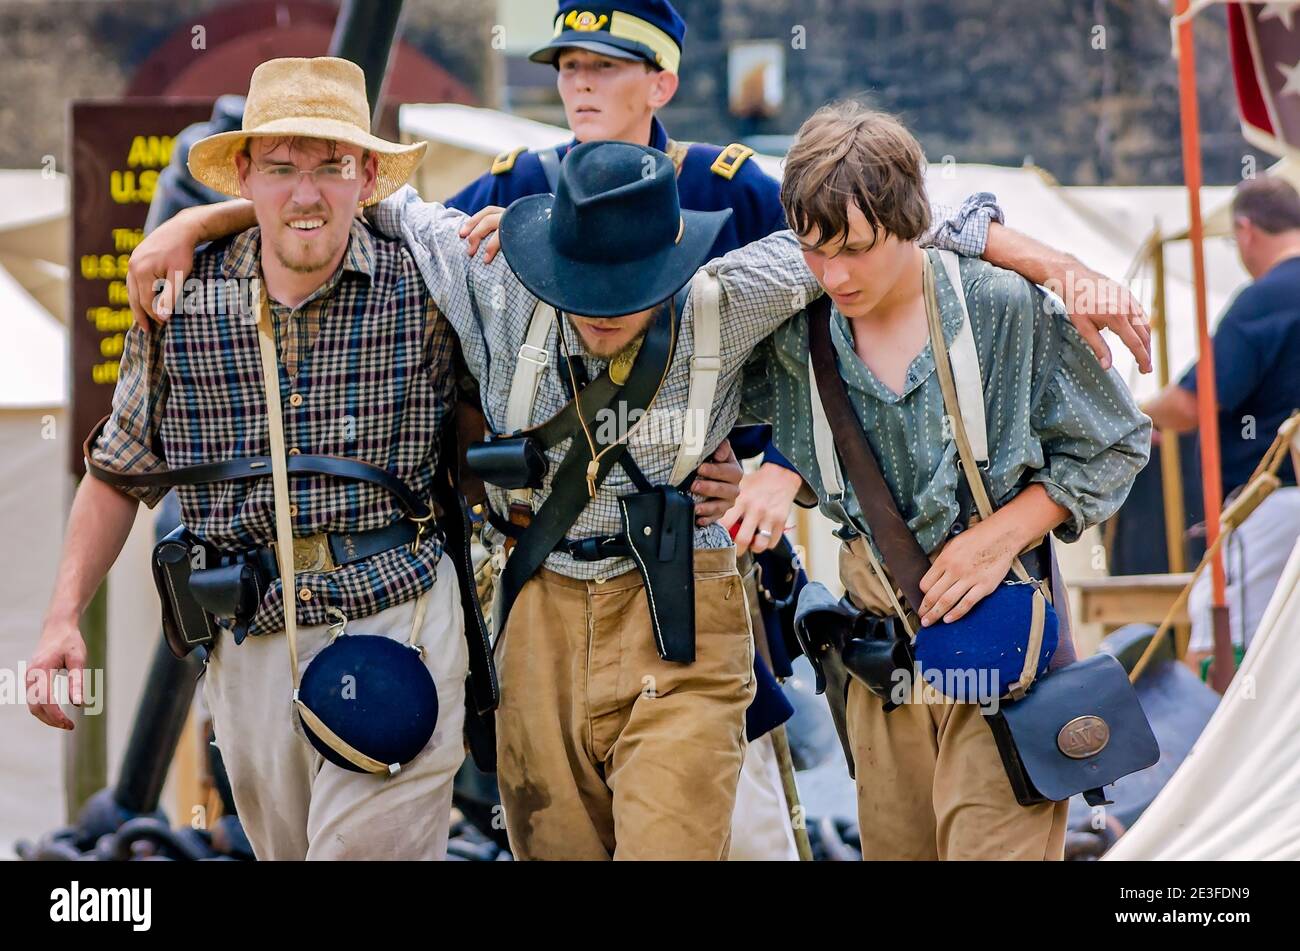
[(119, 148)]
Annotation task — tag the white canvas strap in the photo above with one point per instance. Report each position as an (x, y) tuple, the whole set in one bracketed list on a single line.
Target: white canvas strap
[(828, 463), (706, 363), (279, 484), (284, 543), (529, 367), (964, 359), (962, 412), (531, 363)]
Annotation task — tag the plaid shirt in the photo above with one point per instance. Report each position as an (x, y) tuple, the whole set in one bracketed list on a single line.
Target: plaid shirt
[(762, 285), (366, 372)]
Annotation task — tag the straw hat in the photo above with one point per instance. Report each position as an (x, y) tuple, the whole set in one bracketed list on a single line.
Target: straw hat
[(322, 98)]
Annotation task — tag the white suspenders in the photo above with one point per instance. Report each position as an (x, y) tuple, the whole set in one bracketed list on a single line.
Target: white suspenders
[(529, 367), (705, 366), (534, 356)]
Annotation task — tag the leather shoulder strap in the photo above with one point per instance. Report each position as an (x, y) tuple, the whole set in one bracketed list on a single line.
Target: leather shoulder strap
[(903, 556), (677, 151), (569, 487), (257, 467)]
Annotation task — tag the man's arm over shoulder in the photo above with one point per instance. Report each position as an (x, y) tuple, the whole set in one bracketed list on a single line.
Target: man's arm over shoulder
[(1094, 438), (471, 295), (764, 283)]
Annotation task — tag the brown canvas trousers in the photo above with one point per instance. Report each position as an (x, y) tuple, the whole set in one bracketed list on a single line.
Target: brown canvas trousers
[(931, 784), (603, 749)]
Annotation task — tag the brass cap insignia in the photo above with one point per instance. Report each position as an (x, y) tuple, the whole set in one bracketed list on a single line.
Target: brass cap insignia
[(585, 21)]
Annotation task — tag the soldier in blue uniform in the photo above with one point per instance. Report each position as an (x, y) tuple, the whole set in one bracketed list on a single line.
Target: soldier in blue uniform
[(615, 68)]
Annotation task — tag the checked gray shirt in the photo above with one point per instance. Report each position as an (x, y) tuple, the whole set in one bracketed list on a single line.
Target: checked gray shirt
[(761, 286)]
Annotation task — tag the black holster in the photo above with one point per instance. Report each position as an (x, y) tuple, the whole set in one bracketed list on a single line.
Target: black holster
[(841, 642), (660, 529), (201, 590), (186, 625)]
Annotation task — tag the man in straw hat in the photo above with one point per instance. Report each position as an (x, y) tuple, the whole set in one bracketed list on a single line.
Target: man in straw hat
[(365, 382), (621, 726)]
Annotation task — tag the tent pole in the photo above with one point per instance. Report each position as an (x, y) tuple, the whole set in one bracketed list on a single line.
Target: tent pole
[(1211, 477), (1171, 476)]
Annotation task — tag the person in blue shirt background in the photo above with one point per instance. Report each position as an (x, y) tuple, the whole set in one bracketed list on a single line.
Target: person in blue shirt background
[(1257, 382), (615, 68)]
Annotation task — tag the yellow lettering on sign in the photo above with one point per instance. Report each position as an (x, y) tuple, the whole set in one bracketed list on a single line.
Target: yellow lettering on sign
[(127, 188), (150, 151), (111, 346), (104, 267), (108, 319), (104, 372), (126, 239)]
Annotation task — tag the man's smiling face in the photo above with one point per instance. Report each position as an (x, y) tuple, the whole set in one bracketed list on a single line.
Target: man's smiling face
[(305, 193)]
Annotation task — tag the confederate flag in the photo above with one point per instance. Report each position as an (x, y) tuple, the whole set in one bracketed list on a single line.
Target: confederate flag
[(1265, 41)]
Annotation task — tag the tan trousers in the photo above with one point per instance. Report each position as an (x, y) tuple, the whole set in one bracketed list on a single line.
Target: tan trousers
[(293, 803), (603, 749), (930, 782)]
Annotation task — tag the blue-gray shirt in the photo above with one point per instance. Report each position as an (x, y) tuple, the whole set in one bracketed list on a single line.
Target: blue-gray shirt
[(1054, 416)]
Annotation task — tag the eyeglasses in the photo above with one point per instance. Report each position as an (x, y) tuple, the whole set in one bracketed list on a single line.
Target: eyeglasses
[(325, 175)]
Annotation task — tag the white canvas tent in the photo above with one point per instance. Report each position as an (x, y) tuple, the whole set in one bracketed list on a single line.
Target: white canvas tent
[(1237, 795)]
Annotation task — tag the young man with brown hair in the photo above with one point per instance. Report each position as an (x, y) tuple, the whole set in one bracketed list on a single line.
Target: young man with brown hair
[(1064, 442)]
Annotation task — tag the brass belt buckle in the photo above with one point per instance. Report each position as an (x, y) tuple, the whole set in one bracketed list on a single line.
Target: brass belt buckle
[(311, 554)]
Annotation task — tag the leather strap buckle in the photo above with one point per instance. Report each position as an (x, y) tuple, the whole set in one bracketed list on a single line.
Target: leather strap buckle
[(311, 554)]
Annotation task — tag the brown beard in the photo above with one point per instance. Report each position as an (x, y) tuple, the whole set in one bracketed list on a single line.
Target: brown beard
[(303, 266), (628, 348)]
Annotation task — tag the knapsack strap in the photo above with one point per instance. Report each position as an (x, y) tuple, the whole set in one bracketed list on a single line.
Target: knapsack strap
[(960, 410)]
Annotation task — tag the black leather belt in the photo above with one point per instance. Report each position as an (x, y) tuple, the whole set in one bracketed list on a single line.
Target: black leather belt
[(330, 551), (596, 549)]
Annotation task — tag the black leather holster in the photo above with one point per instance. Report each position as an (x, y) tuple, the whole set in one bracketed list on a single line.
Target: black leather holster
[(660, 529)]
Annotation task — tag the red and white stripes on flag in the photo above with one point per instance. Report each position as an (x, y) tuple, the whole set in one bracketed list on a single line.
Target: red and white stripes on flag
[(1265, 43)]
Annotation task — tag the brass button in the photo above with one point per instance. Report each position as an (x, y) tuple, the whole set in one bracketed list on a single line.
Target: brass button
[(304, 594), (295, 399), (295, 451), (293, 509)]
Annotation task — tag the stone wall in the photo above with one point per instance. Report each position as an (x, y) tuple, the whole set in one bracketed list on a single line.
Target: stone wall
[(997, 81)]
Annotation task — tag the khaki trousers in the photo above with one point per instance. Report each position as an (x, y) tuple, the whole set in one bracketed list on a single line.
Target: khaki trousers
[(603, 749), (293, 803), (931, 784)]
